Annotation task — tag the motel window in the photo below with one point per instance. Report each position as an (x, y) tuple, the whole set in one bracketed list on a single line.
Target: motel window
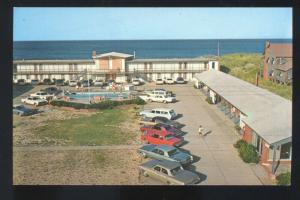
[(286, 151), (256, 142)]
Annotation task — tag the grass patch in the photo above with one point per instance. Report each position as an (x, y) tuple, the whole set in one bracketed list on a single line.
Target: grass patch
[(284, 179), (245, 67), (99, 129)]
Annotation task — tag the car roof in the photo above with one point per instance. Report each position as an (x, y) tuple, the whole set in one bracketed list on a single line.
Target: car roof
[(162, 109), (168, 164), (165, 147)]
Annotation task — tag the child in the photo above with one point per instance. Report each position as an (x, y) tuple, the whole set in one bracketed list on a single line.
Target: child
[(200, 130)]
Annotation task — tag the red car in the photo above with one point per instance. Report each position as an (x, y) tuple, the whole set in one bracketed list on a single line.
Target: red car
[(161, 138), (161, 128)]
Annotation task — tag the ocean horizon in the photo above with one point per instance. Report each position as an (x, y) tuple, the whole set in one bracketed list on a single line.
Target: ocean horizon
[(164, 48)]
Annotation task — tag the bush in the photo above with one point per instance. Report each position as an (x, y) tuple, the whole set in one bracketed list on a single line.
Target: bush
[(208, 99), (248, 153), (239, 143), (284, 179), (101, 105)]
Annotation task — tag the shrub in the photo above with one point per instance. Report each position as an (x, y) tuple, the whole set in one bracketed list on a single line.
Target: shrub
[(248, 153), (208, 99), (101, 105), (239, 143), (284, 179)]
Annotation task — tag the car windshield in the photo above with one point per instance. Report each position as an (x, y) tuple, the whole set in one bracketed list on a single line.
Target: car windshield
[(176, 170), (172, 152), (159, 79), (180, 79), (168, 137), (172, 112)]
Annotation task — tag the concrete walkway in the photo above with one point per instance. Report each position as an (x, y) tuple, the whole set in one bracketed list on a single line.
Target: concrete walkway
[(218, 162)]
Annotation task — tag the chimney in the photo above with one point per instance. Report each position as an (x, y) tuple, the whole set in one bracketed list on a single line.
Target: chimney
[(94, 54)]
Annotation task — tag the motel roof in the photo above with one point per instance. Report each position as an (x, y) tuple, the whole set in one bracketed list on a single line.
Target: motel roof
[(90, 61), (197, 59), (281, 49), (268, 114), (114, 54)]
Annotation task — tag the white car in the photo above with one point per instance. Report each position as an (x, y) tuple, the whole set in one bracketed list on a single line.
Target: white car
[(99, 83), (159, 92), (36, 101), (158, 98), (159, 81), (169, 81), (136, 82), (159, 112), (72, 83), (42, 95)]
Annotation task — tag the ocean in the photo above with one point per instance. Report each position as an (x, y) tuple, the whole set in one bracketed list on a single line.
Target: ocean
[(143, 48)]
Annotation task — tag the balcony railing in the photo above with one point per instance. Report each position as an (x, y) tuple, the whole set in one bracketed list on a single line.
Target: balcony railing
[(96, 72)]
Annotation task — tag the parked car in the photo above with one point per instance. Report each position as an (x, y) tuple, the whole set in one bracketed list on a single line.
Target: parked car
[(164, 152), (85, 83), (35, 82), (159, 112), (169, 81), (161, 138), (158, 98), (21, 82), (60, 82), (180, 80), (36, 101), (169, 172), (51, 90), (23, 111), (160, 92), (159, 81), (161, 128), (136, 82), (72, 83), (163, 120), (47, 81), (42, 95), (99, 83)]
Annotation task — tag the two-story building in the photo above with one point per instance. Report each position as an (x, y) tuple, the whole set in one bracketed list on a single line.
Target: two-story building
[(278, 62), (120, 67)]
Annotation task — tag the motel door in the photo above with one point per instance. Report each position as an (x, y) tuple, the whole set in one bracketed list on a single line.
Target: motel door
[(110, 76)]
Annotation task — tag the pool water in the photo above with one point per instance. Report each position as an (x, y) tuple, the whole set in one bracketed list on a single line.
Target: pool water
[(84, 96)]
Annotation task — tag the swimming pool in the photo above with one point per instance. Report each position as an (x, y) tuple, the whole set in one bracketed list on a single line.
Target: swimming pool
[(85, 96)]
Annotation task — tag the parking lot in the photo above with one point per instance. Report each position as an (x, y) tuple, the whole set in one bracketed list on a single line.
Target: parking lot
[(217, 161)]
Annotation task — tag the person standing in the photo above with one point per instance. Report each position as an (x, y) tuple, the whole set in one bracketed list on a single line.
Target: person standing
[(200, 130)]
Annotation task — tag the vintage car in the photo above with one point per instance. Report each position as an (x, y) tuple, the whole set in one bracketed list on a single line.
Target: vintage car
[(162, 128), (42, 95), (159, 112), (169, 81), (159, 81), (160, 120), (168, 172), (180, 80), (165, 152), (158, 98), (161, 138), (36, 101), (23, 111)]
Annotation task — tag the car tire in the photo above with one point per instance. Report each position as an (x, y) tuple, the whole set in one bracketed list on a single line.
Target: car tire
[(145, 173), (144, 155)]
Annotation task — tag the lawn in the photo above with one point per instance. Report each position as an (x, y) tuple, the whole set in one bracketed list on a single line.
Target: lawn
[(102, 128), (245, 67)]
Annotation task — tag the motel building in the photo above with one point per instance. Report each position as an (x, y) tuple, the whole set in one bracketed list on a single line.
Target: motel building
[(120, 67), (264, 118)]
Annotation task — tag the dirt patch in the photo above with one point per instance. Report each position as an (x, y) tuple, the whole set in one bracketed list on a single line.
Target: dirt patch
[(100, 167)]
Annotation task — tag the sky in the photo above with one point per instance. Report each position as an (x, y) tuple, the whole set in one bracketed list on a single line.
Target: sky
[(32, 24)]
